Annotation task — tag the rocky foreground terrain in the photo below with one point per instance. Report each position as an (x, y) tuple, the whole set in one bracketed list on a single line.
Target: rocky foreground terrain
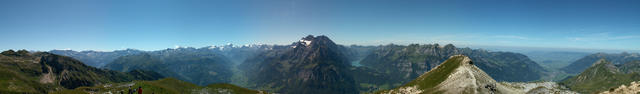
[(633, 88)]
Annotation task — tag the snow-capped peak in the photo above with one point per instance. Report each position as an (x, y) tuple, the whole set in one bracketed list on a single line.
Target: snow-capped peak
[(306, 42)]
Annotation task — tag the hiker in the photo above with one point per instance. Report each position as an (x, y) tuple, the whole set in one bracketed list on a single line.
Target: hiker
[(139, 89), (130, 90)]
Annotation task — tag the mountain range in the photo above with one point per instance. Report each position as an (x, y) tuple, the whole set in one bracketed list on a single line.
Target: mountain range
[(315, 63), (199, 67), (318, 65), (585, 62), (404, 63), (554, 59), (41, 72), (96, 58)]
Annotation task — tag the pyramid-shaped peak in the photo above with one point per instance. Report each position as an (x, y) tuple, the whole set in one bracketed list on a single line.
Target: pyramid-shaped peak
[(311, 40), (315, 38), (308, 37), (603, 63), (449, 46)]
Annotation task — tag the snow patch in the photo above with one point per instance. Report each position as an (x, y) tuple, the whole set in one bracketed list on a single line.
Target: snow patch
[(306, 42)]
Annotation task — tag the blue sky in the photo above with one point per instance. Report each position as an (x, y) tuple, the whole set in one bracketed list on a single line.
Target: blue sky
[(159, 24)]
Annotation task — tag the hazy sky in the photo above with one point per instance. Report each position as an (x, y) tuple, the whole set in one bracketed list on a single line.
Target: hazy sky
[(160, 24)]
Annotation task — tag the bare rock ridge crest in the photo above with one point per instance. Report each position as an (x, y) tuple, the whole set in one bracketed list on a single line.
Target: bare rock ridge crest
[(458, 75)]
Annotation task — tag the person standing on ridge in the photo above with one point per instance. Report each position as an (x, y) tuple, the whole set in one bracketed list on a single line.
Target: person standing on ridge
[(139, 89)]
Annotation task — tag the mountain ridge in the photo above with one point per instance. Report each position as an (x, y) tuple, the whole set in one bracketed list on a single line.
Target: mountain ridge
[(601, 76), (43, 72), (459, 75), (586, 62), (368, 68), (190, 65), (408, 62)]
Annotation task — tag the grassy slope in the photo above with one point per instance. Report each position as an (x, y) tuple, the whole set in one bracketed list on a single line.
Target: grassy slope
[(236, 89), (20, 76), (162, 86), (11, 82), (428, 81), (438, 75), (599, 78)]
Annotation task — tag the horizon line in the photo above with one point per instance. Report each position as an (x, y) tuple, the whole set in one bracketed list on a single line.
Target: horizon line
[(478, 46)]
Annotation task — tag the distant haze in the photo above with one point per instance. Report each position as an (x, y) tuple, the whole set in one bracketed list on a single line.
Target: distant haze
[(158, 24)]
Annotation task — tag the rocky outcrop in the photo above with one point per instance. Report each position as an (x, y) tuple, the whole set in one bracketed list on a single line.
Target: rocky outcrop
[(539, 87), (633, 88)]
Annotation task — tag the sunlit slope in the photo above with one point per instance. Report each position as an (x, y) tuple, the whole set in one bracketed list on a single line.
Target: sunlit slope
[(601, 76)]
